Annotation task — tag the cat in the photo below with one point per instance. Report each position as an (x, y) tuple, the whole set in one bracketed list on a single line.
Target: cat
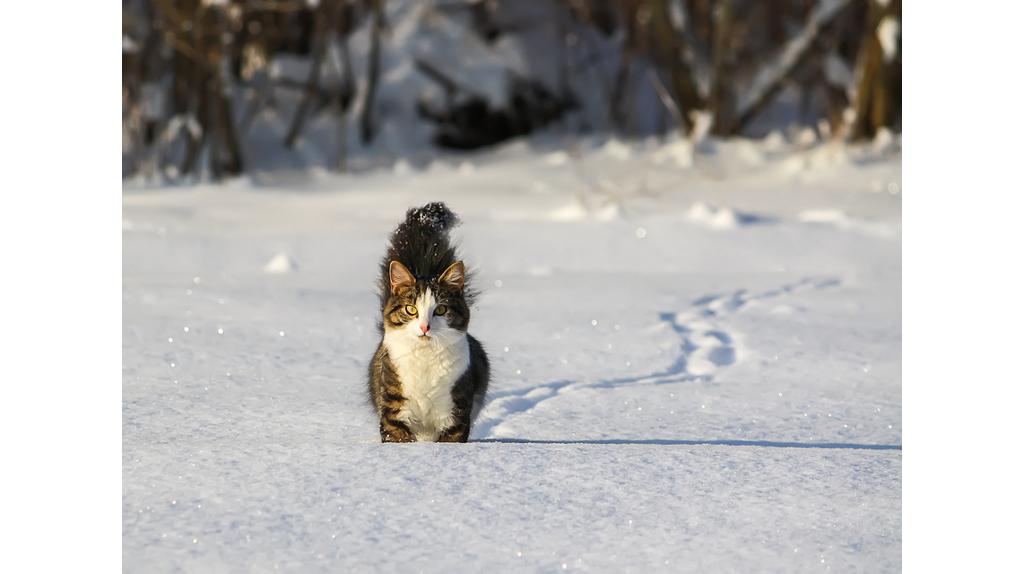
[(428, 378)]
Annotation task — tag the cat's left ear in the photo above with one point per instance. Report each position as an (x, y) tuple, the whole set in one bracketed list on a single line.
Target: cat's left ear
[(401, 277), (454, 276)]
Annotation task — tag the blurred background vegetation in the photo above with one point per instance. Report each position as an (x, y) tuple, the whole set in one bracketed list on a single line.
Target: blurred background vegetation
[(219, 88)]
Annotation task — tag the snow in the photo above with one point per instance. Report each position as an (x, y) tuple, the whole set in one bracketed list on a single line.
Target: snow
[(281, 263), (680, 151), (888, 32), (697, 366), (723, 218)]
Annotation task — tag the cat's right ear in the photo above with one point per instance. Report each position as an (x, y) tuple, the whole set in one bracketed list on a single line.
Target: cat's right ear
[(454, 276), (400, 277)]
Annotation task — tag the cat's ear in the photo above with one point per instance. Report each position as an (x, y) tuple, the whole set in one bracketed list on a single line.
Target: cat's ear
[(400, 277), (454, 276)]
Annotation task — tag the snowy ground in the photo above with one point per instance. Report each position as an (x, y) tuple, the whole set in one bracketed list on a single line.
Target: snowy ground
[(697, 363)]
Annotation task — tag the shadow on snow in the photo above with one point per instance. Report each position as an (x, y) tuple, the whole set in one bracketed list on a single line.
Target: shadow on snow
[(672, 442)]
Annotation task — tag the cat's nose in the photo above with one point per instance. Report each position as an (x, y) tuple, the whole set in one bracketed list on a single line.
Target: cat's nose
[(424, 328)]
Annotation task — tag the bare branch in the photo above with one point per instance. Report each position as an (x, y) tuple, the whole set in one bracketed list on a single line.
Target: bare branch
[(768, 81)]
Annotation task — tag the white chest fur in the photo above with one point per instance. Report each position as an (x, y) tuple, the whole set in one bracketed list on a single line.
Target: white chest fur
[(428, 370)]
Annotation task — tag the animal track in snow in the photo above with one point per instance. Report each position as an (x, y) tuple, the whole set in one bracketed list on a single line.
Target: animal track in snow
[(706, 347)]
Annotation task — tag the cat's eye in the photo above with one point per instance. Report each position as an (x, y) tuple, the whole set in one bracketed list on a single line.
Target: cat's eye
[(411, 309), (440, 310)]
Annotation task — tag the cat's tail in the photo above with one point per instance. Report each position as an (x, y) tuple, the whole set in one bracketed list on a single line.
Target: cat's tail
[(421, 241), (433, 217), (421, 244)]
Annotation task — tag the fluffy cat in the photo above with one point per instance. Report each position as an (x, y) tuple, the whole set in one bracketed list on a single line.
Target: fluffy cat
[(429, 376)]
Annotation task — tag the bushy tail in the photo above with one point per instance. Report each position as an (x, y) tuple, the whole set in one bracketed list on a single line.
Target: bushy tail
[(421, 244), (434, 217)]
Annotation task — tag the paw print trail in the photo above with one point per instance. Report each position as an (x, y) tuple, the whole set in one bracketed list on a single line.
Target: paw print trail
[(707, 345)]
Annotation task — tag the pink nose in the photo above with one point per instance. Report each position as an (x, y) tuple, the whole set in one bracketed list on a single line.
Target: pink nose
[(424, 328)]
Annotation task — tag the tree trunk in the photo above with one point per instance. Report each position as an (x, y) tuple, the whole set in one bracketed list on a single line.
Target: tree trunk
[(311, 89), (720, 95), (669, 57), (366, 120), (878, 98)]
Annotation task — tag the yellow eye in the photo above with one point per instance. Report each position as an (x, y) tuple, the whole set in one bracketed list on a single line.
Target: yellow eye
[(411, 309), (440, 310)]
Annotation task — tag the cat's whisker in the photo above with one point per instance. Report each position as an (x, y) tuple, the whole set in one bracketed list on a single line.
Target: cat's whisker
[(441, 335)]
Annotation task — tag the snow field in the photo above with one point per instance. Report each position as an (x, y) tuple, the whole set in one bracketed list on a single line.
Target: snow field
[(670, 394), (318, 507)]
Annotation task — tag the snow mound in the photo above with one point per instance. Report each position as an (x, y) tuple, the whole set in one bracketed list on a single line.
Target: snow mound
[(885, 142), (608, 212), (577, 211), (774, 141), (617, 150), (748, 154), (281, 263), (702, 122), (572, 212), (822, 216), (439, 166), (806, 138), (679, 151), (843, 221), (793, 165), (401, 167), (715, 218), (556, 158)]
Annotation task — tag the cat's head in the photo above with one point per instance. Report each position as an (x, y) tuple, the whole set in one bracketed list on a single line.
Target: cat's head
[(427, 309)]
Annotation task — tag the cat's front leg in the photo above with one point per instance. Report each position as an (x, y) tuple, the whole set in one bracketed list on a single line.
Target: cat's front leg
[(459, 432), (393, 430)]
